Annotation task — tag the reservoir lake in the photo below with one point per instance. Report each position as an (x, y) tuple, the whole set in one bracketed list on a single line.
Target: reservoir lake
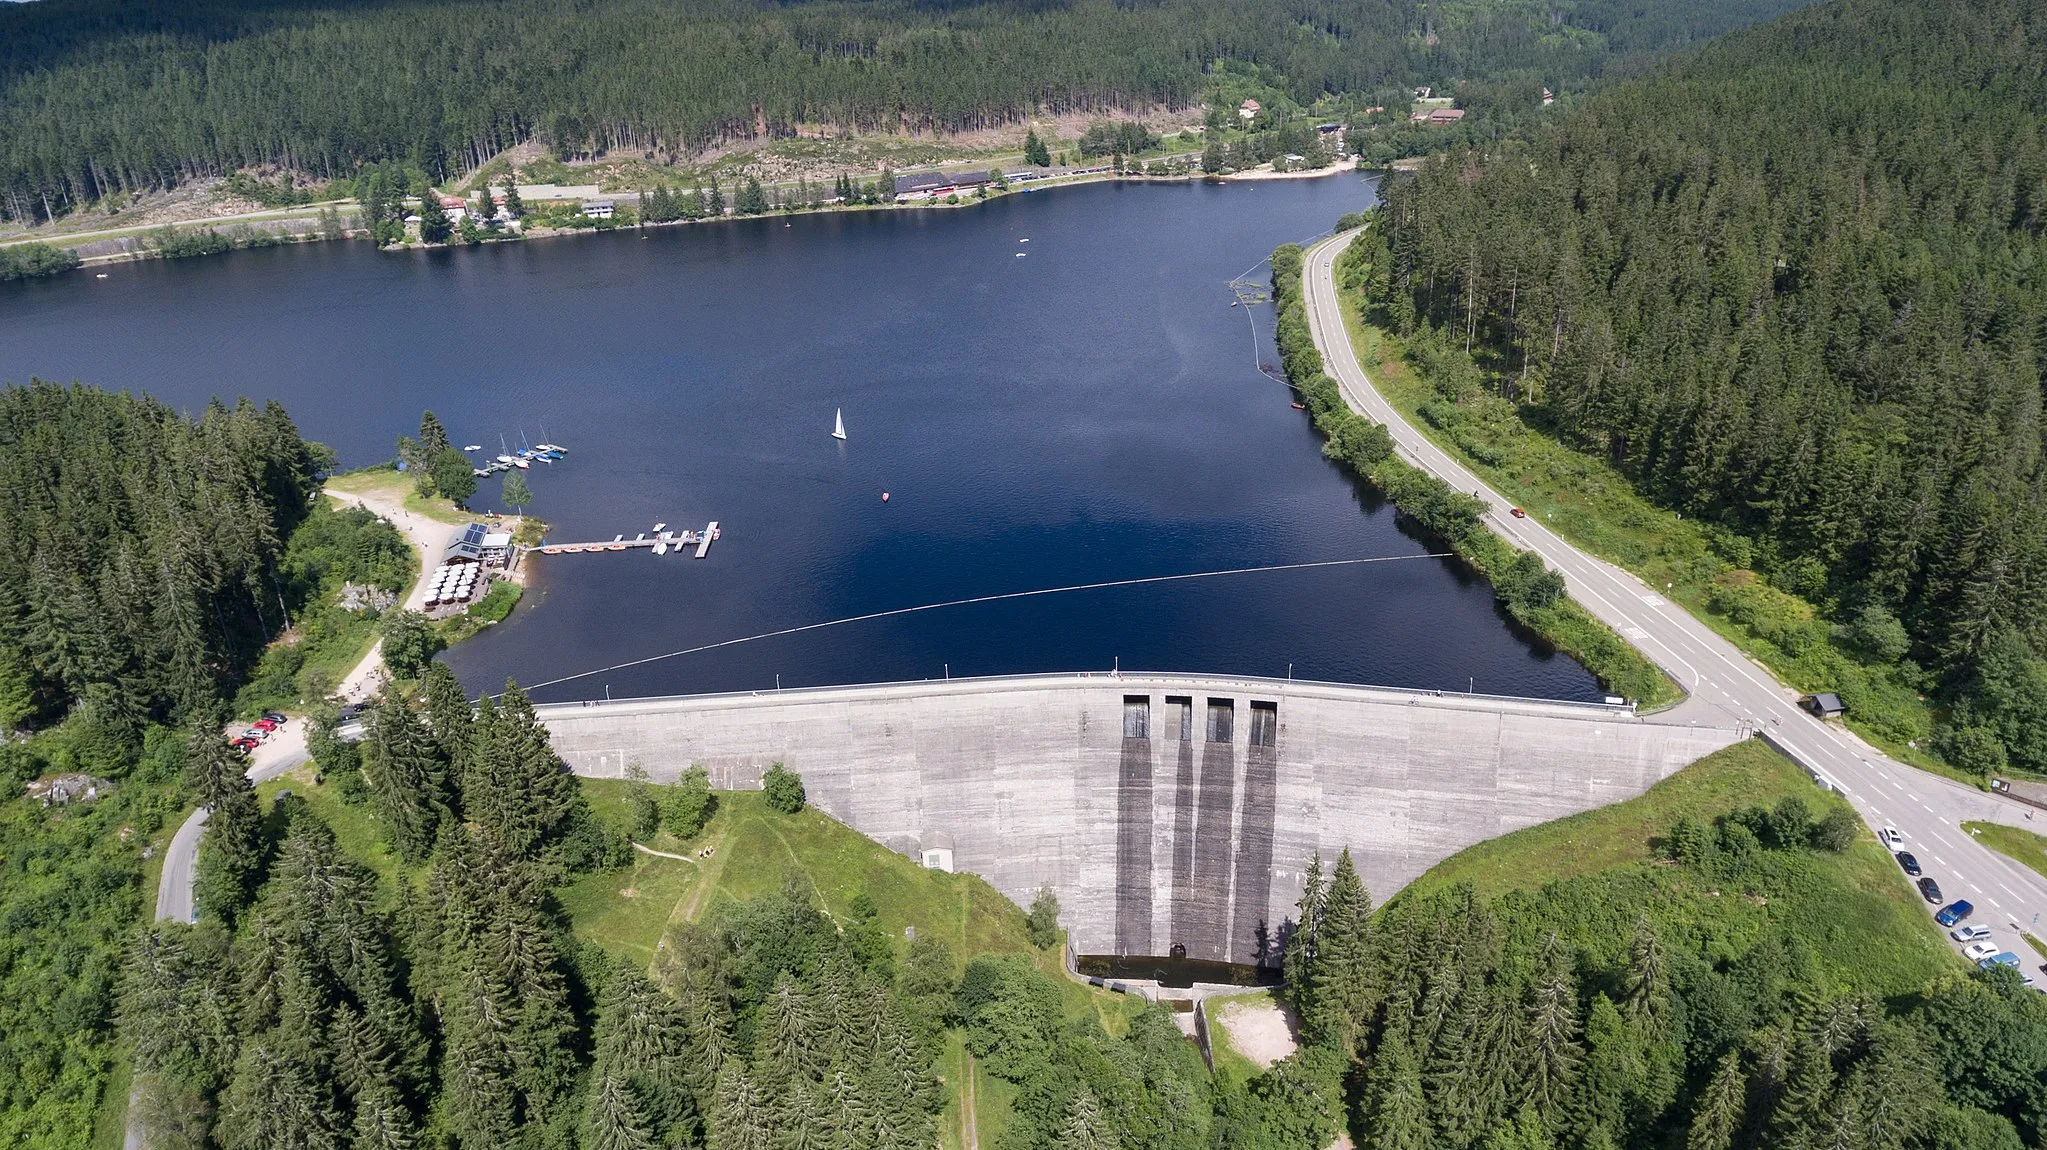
[(1083, 408)]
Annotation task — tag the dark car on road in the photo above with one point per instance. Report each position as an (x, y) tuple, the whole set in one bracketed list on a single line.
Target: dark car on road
[(1930, 889), (1910, 864), (1955, 912)]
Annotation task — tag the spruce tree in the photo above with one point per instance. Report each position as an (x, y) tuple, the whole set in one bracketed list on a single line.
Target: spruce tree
[(740, 1118), (1397, 1115), (1341, 990), (1648, 975), (614, 1118), (448, 713), (406, 772), (714, 200), (236, 846), (1034, 150), (1551, 1036), (1297, 956), (1717, 1114), (514, 206), (1087, 1128), (433, 438), (513, 784), (434, 227)]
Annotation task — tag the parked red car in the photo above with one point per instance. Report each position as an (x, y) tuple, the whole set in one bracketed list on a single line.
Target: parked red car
[(1518, 513), (245, 745), (266, 724)]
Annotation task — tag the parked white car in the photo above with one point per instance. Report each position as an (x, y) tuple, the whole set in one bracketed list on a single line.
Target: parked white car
[(1978, 951), (1891, 839), (1972, 932)]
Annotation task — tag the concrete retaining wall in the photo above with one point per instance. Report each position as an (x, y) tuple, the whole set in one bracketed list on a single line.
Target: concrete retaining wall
[(1154, 840)]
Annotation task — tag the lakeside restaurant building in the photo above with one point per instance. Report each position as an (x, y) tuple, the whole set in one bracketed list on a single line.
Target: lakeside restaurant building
[(933, 185)]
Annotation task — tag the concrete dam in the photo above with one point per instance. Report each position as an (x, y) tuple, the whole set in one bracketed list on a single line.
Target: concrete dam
[(1174, 815)]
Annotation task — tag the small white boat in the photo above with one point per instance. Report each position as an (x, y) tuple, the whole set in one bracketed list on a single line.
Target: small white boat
[(1025, 240), (1021, 255), (522, 465), (474, 447), (506, 459), (839, 424)]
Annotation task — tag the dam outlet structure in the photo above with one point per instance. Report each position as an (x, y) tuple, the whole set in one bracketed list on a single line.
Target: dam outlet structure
[(1173, 815)]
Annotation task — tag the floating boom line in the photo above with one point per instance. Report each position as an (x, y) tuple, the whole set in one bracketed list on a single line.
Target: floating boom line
[(895, 611)]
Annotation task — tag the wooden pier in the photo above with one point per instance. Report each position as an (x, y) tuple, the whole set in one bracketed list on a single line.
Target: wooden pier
[(662, 541)]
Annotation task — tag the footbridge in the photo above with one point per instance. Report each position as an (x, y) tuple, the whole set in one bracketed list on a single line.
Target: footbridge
[(1173, 814)]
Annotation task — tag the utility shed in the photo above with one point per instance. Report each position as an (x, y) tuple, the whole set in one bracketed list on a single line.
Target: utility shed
[(1826, 704)]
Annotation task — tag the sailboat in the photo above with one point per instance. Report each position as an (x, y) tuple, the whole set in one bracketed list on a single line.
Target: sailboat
[(839, 424)]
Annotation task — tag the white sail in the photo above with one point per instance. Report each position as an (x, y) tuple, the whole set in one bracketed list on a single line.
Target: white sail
[(839, 424)]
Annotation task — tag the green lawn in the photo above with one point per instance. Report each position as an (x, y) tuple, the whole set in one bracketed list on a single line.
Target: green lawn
[(1596, 508), (1858, 915), (2022, 845), (391, 484)]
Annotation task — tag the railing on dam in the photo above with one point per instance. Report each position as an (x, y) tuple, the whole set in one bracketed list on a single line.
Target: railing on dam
[(1094, 678)]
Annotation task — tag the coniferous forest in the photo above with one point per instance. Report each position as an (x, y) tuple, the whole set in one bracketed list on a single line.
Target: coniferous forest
[(1790, 285), (105, 96), (140, 551)]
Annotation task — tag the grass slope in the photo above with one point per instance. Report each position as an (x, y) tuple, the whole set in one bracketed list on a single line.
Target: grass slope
[(2021, 845), (1853, 909)]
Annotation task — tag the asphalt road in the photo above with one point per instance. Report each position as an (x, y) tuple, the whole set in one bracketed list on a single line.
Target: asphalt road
[(285, 750), (1725, 685)]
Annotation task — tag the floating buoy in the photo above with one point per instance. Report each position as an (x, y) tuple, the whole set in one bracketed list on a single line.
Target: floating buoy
[(884, 497), (101, 276)]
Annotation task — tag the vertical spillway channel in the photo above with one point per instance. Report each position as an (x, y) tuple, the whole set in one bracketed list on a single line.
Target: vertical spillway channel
[(1253, 937), (1205, 930), (1133, 830), (1180, 726)]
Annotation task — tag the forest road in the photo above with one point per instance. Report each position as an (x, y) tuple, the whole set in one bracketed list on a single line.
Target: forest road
[(1725, 685)]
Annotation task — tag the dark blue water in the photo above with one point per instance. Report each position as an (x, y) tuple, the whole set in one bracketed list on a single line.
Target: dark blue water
[(1090, 412)]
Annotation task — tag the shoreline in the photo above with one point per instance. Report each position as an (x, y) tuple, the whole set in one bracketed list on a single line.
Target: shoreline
[(353, 231)]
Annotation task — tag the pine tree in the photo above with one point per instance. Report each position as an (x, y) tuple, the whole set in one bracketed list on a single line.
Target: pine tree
[(1034, 150), (1717, 1115), (486, 210), (714, 200), (514, 206)]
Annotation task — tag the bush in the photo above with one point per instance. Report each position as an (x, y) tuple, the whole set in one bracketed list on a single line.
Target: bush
[(1971, 750), (691, 804), (1042, 923), (410, 643), (783, 789), (22, 261)]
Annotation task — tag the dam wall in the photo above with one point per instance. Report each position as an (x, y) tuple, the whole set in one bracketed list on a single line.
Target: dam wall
[(1166, 810)]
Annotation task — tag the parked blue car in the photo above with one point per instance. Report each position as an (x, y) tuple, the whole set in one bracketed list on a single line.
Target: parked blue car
[(2006, 959), (1954, 912)]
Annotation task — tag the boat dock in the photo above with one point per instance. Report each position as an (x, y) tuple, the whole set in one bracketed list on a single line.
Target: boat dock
[(660, 539)]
